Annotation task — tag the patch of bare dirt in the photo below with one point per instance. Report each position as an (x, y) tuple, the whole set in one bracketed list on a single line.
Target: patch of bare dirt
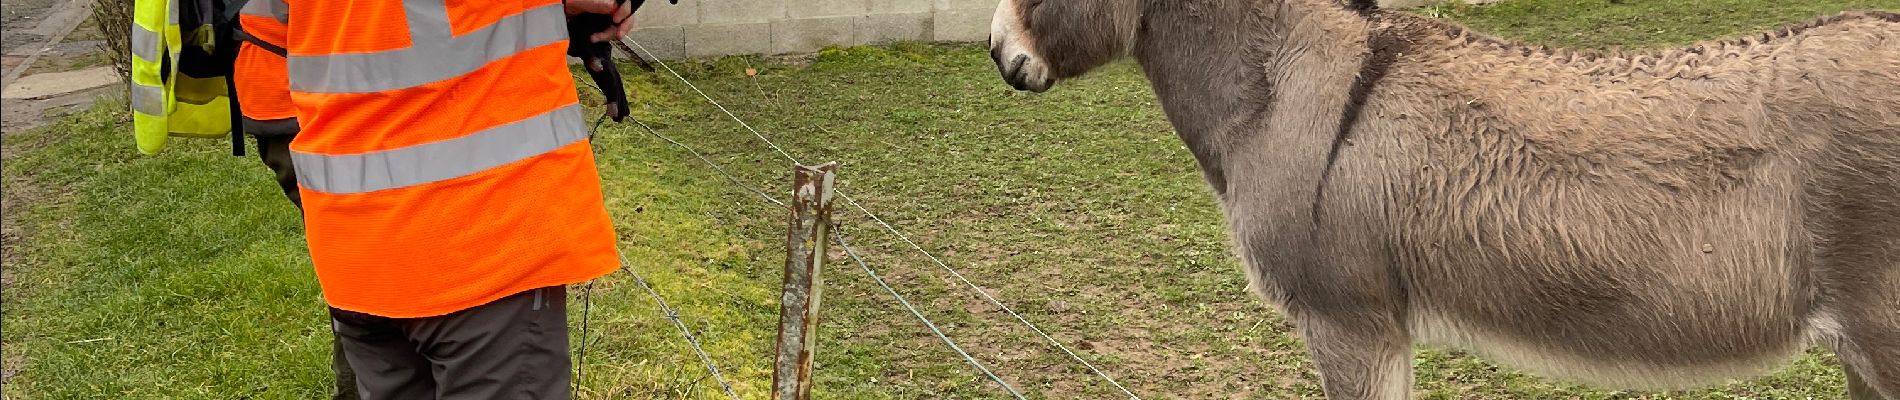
[(14, 199), (1110, 308), (10, 201), (23, 115), (70, 55), (10, 366), (20, 194)]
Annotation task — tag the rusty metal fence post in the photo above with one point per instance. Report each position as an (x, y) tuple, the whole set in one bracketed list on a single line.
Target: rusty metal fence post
[(804, 258)]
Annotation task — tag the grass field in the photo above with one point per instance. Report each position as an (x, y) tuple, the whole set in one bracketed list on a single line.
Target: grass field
[(184, 275)]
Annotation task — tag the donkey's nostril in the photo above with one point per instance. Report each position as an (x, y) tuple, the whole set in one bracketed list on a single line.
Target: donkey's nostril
[(1014, 73)]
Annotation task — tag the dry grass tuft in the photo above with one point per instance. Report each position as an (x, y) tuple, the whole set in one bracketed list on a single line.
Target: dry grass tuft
[(113, 19)]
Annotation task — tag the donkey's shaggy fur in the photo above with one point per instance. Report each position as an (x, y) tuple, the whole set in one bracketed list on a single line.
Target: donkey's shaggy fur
[(1644, 219)]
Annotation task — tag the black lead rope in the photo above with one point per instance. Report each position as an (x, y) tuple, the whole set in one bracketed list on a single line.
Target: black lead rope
[(598, 59)]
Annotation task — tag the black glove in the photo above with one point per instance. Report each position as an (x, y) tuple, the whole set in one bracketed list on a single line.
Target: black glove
[(598, 57)]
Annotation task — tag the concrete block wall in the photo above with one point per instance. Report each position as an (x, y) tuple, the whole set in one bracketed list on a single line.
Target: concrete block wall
[(703, 28)]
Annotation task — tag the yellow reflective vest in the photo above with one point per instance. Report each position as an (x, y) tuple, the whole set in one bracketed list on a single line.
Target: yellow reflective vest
[(165, 102)]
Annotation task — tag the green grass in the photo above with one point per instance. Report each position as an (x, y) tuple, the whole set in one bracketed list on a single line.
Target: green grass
[(184, 275)]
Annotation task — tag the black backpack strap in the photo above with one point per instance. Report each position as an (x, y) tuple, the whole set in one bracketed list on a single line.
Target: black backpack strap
[(231, 10), (237, 116), (260, 43)]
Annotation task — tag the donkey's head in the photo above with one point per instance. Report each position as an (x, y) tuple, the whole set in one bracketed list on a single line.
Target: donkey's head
[(1036, 42)]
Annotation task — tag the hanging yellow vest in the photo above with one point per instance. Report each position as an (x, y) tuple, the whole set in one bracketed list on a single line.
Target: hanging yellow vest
[(166, 102)]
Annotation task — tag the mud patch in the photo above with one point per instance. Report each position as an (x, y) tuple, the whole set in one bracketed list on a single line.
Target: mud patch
[(20, 193), (13, 200), (23, 115), (70, 55), (11, 365)]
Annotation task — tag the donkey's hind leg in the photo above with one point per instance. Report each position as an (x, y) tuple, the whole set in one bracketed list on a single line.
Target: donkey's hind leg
[(1872, 361), (1360, 357), (1870, 352), (1859, 389), (1869, 342)]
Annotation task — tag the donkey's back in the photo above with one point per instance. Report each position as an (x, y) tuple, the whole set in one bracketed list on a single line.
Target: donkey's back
[(1655, 220)]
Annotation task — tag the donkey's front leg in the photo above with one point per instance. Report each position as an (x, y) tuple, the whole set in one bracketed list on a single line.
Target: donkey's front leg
[(1352, 317), (1359, 355), (1352, 314), (1333, 275)]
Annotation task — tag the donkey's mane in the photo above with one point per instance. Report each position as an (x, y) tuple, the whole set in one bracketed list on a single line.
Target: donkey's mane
[(1623, 61), (1362, 6)]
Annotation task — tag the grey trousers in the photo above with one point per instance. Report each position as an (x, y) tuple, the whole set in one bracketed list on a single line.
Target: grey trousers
[(273, 147), (511, 348)]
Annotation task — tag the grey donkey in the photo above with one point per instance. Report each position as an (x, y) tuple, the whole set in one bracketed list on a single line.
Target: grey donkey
[(1652, 219)]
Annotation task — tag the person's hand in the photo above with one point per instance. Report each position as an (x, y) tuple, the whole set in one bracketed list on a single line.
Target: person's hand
[(621, 11)]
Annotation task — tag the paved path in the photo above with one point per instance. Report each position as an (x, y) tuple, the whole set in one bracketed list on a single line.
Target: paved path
[(34, 99), (53, 84), (19, 18), (50, 27), (32, 29)]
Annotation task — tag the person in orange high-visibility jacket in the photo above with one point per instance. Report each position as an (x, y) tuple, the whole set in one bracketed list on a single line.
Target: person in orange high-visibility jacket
[(449, 191), (263, 91)]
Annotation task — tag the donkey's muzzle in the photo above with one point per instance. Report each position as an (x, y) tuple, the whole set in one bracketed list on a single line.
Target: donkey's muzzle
[(1020, 72)]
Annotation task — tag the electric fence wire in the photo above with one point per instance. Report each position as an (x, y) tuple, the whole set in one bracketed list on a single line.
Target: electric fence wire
[(848, 251), (674, 316), (580, 365), (715, 166), (854, 256), (666, 310), (892, 229)]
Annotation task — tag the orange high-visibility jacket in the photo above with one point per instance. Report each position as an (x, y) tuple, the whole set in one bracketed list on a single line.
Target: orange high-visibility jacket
[(444, 160), (263, 82)]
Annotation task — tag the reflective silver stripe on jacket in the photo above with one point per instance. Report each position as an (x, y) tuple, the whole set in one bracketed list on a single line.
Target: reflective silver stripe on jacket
[(146, 44), (274, 9), (148, 100), (434, 53), (441, 160)]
